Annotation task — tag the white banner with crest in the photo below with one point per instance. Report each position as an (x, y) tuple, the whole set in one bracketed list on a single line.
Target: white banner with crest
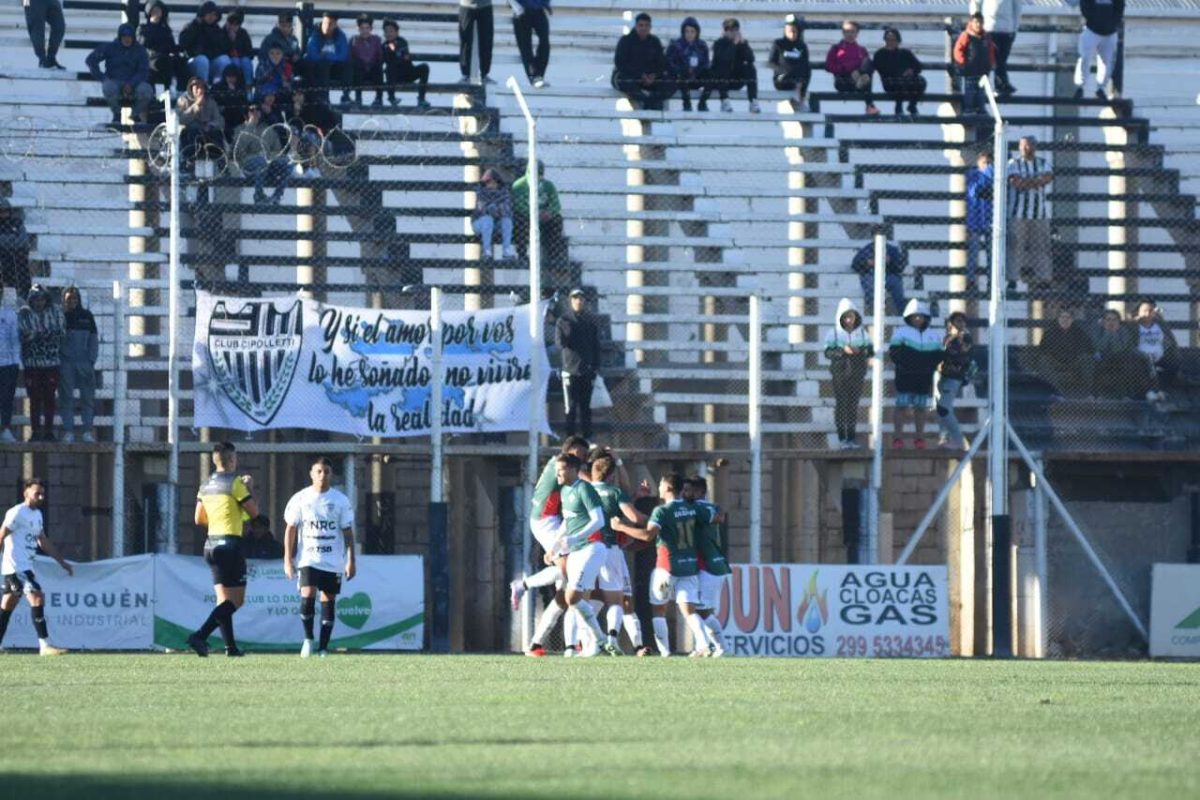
[(293, 362)]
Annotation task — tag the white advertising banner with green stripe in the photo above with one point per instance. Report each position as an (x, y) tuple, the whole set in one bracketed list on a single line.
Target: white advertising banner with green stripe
[(382, 608)]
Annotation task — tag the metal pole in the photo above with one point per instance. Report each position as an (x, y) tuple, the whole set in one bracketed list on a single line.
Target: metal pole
[(435, 394), (173, 336), (754, 424), (119, 379), (1041, 563), (350, 484), (871, 546)]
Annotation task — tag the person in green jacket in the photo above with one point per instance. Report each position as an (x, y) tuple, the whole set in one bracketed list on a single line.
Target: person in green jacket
[(549, 213)]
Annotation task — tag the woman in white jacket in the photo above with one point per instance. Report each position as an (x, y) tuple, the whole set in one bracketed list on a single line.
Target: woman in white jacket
[(1001, 18)]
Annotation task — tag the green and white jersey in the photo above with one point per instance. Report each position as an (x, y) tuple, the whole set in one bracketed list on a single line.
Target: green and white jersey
[(545, 502), (679, 524), (583, 515), (708, 544), (611, 498)]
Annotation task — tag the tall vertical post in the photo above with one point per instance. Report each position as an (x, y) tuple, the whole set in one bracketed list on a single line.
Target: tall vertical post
[(1041, 516), (350, 485), (435, 394), (439, 516), (754, 420), (875, 486), (119, 379), (172, 516)]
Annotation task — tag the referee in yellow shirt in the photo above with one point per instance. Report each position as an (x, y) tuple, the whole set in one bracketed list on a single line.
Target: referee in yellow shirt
[(224, 504)]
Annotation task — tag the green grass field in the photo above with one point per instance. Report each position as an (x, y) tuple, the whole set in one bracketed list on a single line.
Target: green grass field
[(276, 727)]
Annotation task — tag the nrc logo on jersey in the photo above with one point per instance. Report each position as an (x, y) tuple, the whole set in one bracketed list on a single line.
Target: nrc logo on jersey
[(320, 525), (253, 352)]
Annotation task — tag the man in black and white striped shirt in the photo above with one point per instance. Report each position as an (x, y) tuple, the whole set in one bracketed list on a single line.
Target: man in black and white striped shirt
[(1029, 243)]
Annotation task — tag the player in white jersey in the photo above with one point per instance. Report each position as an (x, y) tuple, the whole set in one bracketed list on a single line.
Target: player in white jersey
[(322, 519), (21, 535)]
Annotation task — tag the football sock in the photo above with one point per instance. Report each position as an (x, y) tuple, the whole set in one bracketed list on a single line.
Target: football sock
[(545, 577), (327, 611), (633, 629), (4, 617), (546, 624), (616, 615), (571, 629), (308, 608), (714, 631), (661, 637), (696, 626), (39, 621), (225, 623), (214, 619), (588, 613)]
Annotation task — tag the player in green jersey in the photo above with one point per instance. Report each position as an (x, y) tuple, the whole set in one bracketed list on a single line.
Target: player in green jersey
[(614, 583), (714, 565), (581, 538)]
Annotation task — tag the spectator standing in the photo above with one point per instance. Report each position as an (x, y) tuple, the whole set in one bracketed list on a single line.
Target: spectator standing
[(848, 347), (893, 280), (1102, 21), (899, 71), (167, 63), (327, 59), (126, 74), (1157, 344), (15, 244), (1120, 368), (42, 330), (954, 371), (475, 15), (398, 66), (261, 155), (530, 17), (202, 124), (981, 180), (550, 221), (688, 63), (230, 96), (238, 49), (38, 14), (1001, 19), (975, 57), (1029, 242), (733, 66), (10, 367), (916, 351), (80, 351), (366, 60), (493, 205), (203, 42), (1065, 357), (850, 65), (578, 339), (790, 61), (283, 36), (640, 67), (273, 77)]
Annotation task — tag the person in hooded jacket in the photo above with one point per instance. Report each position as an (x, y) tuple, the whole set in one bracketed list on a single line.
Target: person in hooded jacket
[(230, 96), (916, 351), (167, 63), (42, 330), (238, 48), (283, 37), (273, 78), (15, 244), (203, 42), (733, 66), (327, 58), (954, 371), (640, 67), (849, 349), (77, 373), (203, 127), (790, 61), (126, 74), (688, 63)]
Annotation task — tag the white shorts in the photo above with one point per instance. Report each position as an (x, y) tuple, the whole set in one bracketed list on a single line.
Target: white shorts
[(710, 590), (614, 575), (584, 565), (545, 530), (681, 589)]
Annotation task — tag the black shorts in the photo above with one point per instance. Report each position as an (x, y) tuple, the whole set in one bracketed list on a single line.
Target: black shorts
[(328, 582), (18, 583), (226, 558)]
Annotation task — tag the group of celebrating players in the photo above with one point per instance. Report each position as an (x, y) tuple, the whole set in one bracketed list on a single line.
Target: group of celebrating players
[(585, 520)]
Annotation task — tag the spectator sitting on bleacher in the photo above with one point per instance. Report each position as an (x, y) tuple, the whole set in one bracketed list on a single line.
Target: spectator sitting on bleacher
[(1065, 358), (42, 330), (850, 65), (688, 62), (317, 129), (167, 64), (974, 56), (37, 14), (1029, 241), (953, 373), (981, 180), (327, 60), (791, 63), (640, 67), (203, 42), (733, 66), (848, 347), (125, 76), (272, 111), (893, 282), (273, 77), (366, 60), (1157, 344), (202, 124), (493, 204), (230, 95), (398, 66), (899, 71), (15, 243), (1001, 19), (550, 221), (916, 351), (260, 154), (1098, 40), (77, 373), (1120, 368), (10, 367), (283, 37), (239, 50)]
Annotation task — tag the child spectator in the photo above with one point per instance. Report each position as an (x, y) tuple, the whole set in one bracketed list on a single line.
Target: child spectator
[(848, 348), (80, 350), (954, 371), (238, 49), (260, 154), (916, 351), (230, 95), (10, 366), (203, 42), (1120, 368), (1065, 357), (981, 180), (202, 124), (273, 78), (398, 66), (283, 37), (167, 63), (790, 61), (1157, 344), (899, 71), (975, 57), (640, 67), (550, 221), (493, 203), (327, 59), (126, 72), (688, 63), (366, 60), (733, 66), (893, 280), (850, 65), (42, 330)]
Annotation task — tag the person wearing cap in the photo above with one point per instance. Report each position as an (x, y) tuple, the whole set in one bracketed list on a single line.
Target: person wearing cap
[(475, 15), (237, 50), (733, 66), (531, 17), (640, 67), (790, 61), (954, 371), (126, 74), (42, 330), (550, 221), (493, 206), (168, 64), (203, 41), (916, 351), (366, 60), (578, 340), (327, 59), (899, 71), (850, 65)]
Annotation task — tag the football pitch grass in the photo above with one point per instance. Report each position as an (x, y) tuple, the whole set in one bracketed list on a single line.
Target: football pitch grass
[(356, 726)]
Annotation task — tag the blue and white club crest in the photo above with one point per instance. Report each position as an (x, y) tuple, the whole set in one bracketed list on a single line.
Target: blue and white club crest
[(253, 352)]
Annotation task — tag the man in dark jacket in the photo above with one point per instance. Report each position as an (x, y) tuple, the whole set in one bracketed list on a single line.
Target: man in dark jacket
[(893, 282), (125, 76), (203, 42), (640, 67), (733, 66), (790, 61), (1065, 357), (15, 243), (80, 349), (578, 338), (533, 17), (1101, 28), (283, 37), (167, 63)]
